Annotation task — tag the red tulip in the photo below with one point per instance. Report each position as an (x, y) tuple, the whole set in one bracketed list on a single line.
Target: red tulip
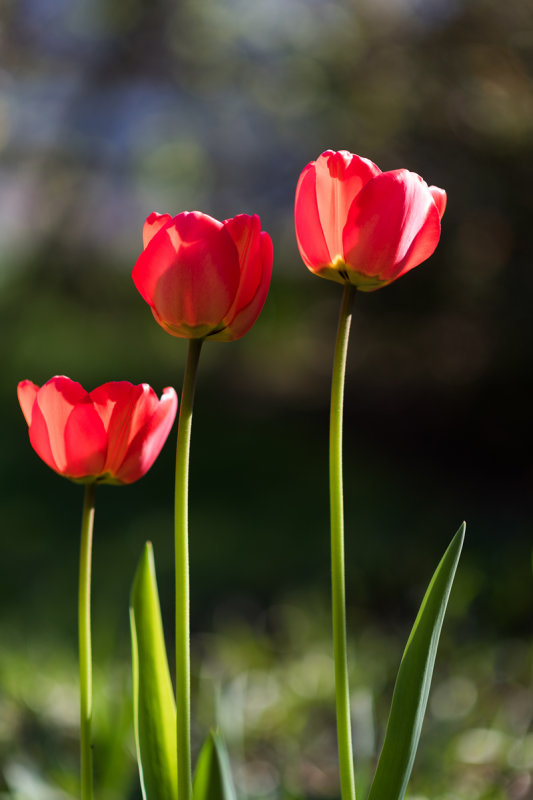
[(110, 435), (357, 224), (204, 278)]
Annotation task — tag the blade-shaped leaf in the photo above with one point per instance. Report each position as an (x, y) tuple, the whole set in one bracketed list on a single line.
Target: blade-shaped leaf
[(154, 705), (212, 777), (413, 681)]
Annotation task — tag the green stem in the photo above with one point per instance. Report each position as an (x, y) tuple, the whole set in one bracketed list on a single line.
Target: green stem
[(181, 540), (84, 633), (342, 690)]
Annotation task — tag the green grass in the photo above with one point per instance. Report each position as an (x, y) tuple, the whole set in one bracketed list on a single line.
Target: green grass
[(266, 678)]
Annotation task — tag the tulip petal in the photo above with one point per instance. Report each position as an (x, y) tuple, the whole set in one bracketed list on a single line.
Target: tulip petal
[(27, 392), (423, 245), (40, 438), (309, 234), (153, 225), (393, 225), (339, 179), (247, 315), (123, 409), (189, 274), (439, 196), (150, 438), (245, 231), (126, 411), (325, 192), (85, 442), (53, 405)]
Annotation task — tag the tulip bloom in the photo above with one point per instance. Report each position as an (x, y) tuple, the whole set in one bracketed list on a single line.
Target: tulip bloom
[(356, 224), (204, 278), (110, 435)]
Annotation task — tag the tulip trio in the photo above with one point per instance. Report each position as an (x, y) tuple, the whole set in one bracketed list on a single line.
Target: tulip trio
[(208, 280)]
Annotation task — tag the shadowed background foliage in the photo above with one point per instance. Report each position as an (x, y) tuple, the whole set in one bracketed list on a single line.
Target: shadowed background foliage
[(112, 109)]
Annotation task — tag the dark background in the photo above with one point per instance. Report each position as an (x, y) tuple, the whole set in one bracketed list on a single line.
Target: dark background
[(115, 108)]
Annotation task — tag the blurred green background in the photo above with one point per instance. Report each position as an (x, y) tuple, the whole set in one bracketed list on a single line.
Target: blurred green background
[(110, 109)]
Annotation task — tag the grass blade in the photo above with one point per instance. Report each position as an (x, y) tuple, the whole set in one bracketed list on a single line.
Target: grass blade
[(413, 681), (154, 705), (212, 777)]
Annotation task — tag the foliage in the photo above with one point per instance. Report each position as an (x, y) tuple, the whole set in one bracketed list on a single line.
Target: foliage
[(266, 677)]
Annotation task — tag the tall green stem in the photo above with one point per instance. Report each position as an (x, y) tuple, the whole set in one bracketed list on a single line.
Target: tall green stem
[(84, 634), (342, 691), (181, 541)]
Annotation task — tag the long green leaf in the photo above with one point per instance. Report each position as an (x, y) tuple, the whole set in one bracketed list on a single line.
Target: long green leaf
[(212, 777), (413, 681), (154, 705)]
